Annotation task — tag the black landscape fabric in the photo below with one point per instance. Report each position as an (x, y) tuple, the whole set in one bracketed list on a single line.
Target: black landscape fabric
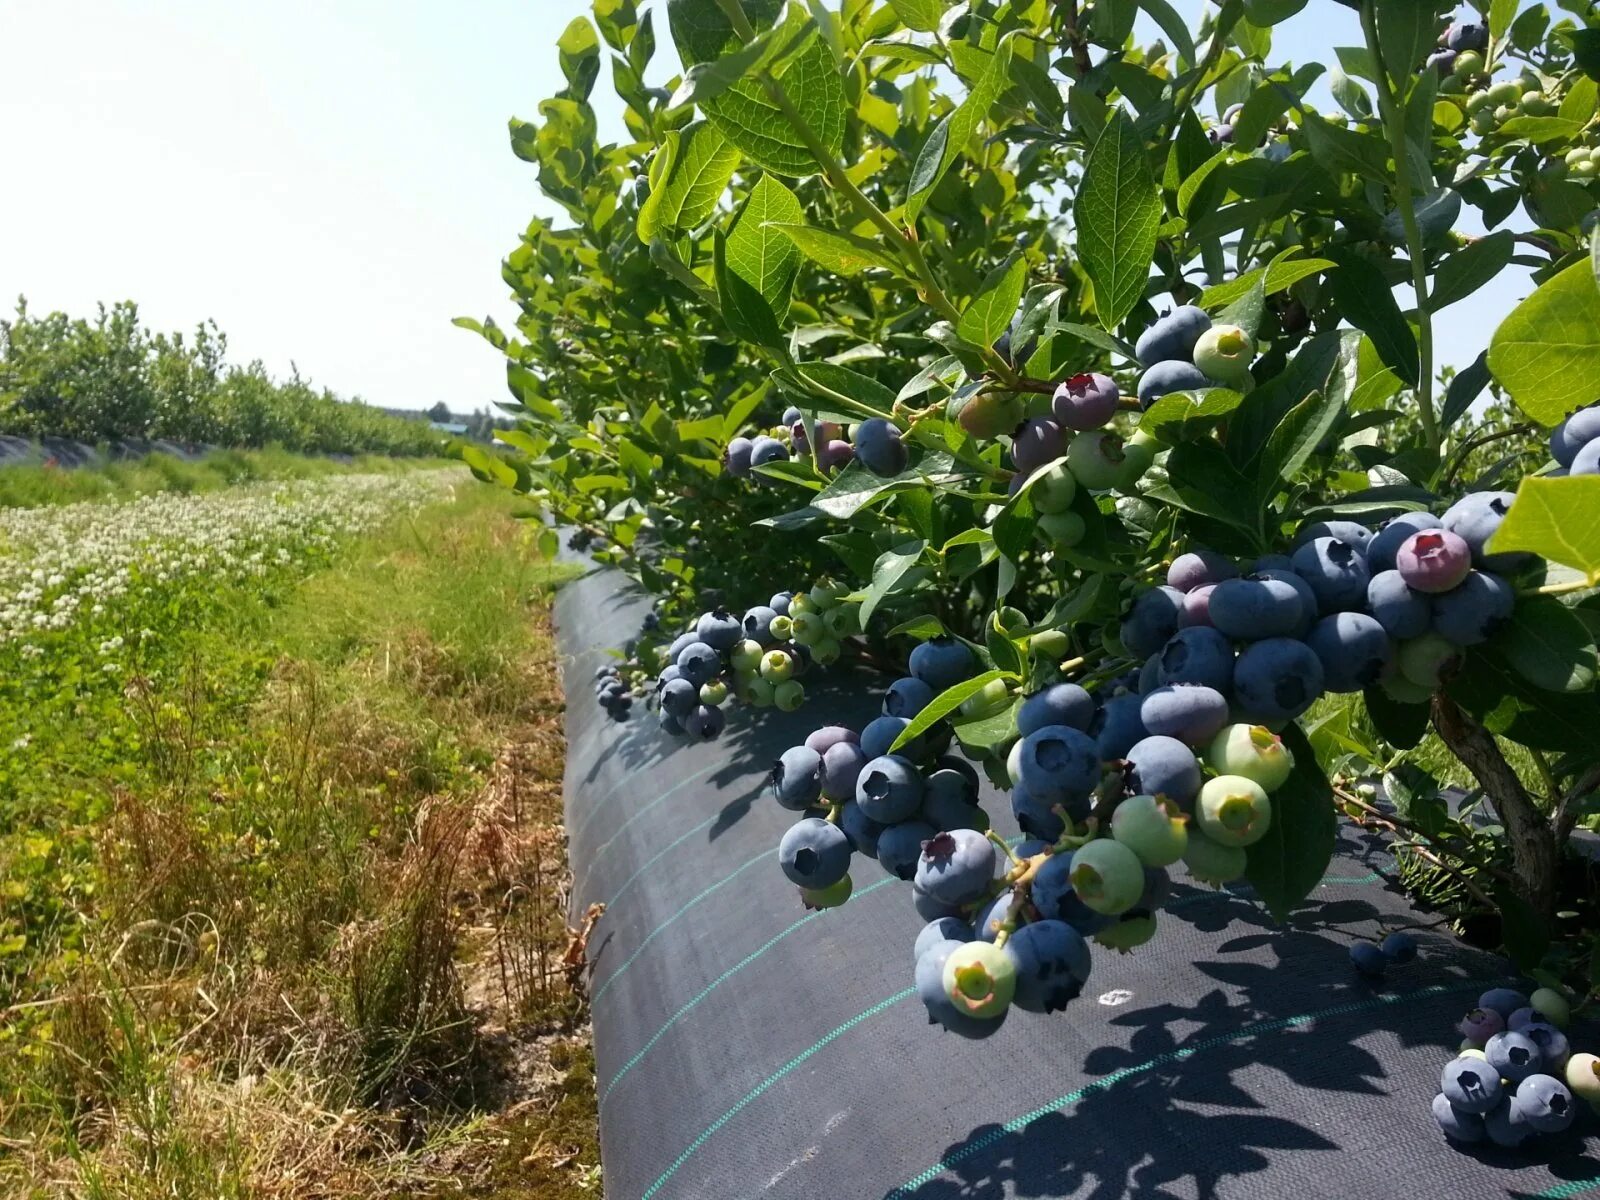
[(746, 1048)]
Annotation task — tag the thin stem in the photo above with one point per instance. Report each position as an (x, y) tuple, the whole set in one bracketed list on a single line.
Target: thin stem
[(734, 11), (1405, 201), (1181, 103), (1459, 458), (1004, 849), (1558, 589), (1545, 773)]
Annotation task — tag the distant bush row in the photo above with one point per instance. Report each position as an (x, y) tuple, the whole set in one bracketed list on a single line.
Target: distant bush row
[(110, 378)]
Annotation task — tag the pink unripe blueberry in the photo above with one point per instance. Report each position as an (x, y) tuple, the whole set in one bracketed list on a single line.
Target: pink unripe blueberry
[(1196, 608), (1433, 560), (1481, 1024), (1085, 401)]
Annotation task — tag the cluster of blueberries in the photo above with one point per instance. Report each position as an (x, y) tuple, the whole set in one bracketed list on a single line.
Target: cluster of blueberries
[(758, 658), (1575, 443), (875, 442), (611, 693), (1373, 959), (1183, 351), (1103, 820), (1516, 1076), (1348, 610)]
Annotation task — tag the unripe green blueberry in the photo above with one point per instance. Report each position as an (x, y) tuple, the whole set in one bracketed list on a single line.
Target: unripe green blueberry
[(844, 619), (1131, 932), (990, 414), (1138, 456), (1402, 691), (987, 701), (761, 692), (799, 603), (807, 628), (776, 666), (1053, 644), (714, 693), (1014, 762), (1096, 458), (1483, 122), (1583, 1076), (782, 628), (1423, 660), (1534, 102), (1052, 491), (831, 896), (826, 595), (1212, 862), (1107, 876), (1552, 1006), (1468, 63), (1253, 751), (1587, 169), (1506, 91), (1504, 113), (826, 652), (1011, 619), (746, 656), (1224, 352), (1477, 102), (1233, 810), (1061, 530), (789, 695), (1576, 155), (1152, 827), (980, 979)]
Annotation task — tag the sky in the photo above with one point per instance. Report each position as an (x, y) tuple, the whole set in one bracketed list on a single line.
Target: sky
[(330, 181)]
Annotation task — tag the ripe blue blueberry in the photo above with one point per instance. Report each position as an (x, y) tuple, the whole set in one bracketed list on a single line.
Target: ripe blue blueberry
[(796, 778), (944, 808), (1257, 606), (1164, 766), (900, 846), (1336, 571), (1464, 35), (736, 458), (1085, 401), (814, 853), (1472, 612), (669, 723), (1151, 620), (861, 829), (1052, 964), (758, 625), (956, 866), (987, 920), (1400, 947), (1059, 704), (1573, 434), (1199, 654), (1471, 1085), (792, 415), (699, 663), (881, 733), (1345, 531), (1544, 1104), (1505, 1126), (1035, 442), (841, 769), (1308, 598), (1198, 568), (1276, 680), (879, 447), (1354, 650), (1552, 1043), (1514, 1055), (1058, 762), (907, 697), (942, 662), (1164, 378), (941, 1010), (679, 698), (1475, 518), (1587, 460), (1458, 1126), (945, 929), (705, 723), (1368, 959), (1055, 899), (1173, 336), (1381, 549), (889, 789), (720, 630), (1504, 1001), (1402, 612), (767, 450), (1118, 728), (1190, 712)]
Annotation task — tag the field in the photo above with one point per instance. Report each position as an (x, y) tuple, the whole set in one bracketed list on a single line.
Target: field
[(279, 833)]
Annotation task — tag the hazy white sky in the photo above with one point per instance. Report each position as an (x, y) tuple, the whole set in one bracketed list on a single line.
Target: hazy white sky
[(330, 181)]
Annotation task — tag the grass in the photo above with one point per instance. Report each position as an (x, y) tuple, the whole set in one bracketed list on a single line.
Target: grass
[(315, 943), (33, 485)]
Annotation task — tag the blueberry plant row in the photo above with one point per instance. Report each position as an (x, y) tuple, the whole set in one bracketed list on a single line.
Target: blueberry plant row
[(1066, 377)]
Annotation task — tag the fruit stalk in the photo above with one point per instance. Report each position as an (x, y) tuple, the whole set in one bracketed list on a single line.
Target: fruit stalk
[(1405, 201)]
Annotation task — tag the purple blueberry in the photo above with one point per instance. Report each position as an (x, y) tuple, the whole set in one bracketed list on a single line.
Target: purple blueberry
[(841, 770), (824, 739), (1198, 568), (834, 454), (1197, 607), (1037, 441), (1085, 401), (1354, 651), (1481, 1024), (1276, 679), (1433, 561)]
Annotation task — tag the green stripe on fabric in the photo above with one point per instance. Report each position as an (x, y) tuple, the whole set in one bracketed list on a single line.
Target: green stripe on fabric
[(1573, 1187), (651, 861), (671, 791), (753, 1093), (731, 971), (688, 904), (971, 1148)]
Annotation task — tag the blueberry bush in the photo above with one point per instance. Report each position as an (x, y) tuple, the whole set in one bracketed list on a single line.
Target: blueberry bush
[(1091, 385)]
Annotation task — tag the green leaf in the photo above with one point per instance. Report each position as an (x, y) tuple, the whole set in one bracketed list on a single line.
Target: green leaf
[(1549, 646), (1173, 25), (1281, 273), (1196, 179), (1501, 14), (980, 737), (1511, 707), (888, 571), (1117, 212), (1464, 388), (922, 627), (949, 137), (1581, 100), (945, 703), (1182, 415), (1345, 150), (1546, 353), (921, 15), (1201, 479), (841, 253), (1469, 268), (578, 48), (697, 163), (989, 313), (1246, 312), (838, 385), (1366, 300), (756, 265), (1290, 861), (1558, 519), (1407, 30), (1294, 440), (1401, 725)]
